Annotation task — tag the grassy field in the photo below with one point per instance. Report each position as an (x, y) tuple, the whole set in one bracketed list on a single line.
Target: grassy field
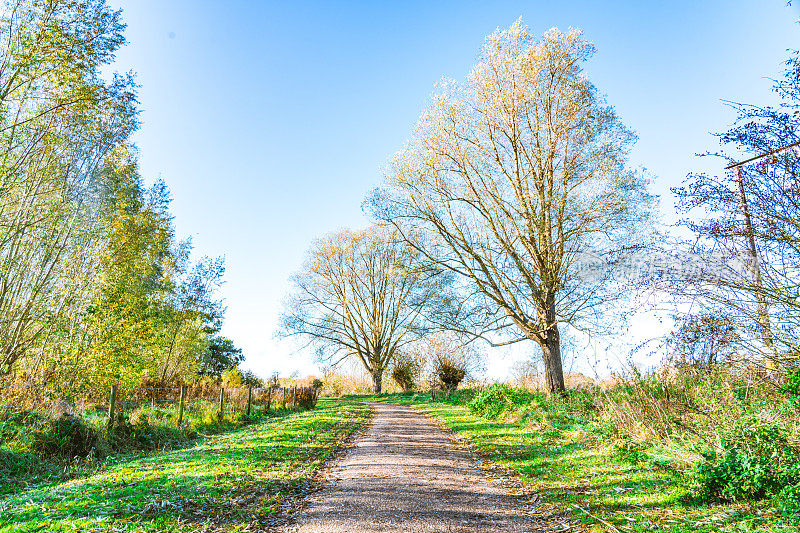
[(233, 482), (569, 462)]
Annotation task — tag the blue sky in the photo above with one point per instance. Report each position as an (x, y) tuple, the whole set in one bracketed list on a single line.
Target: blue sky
[(271, 120)]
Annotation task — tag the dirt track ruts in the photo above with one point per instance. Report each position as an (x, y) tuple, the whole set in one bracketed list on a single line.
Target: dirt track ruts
[(405, 473)]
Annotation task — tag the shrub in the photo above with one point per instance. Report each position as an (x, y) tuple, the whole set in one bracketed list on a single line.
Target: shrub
[(405, 372), (497, 399), (306, 398), (758, 462), (450, 375), (736, 477), (791, 387), (451, 360), (67, 437)]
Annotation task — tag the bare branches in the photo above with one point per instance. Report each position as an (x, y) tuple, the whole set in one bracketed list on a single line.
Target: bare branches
[(364, 295), (512, 176)]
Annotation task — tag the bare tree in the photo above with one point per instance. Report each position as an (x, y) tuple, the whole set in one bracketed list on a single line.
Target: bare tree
[(362, 295), (516, 177)]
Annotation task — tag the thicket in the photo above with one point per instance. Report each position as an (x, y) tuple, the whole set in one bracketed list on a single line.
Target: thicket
[(97, 288)]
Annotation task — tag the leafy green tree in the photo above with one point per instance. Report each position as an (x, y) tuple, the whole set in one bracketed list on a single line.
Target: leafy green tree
[(220, 355)]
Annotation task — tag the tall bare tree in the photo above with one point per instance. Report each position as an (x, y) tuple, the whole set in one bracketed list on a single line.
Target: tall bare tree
[(517, 176), (364, 295)]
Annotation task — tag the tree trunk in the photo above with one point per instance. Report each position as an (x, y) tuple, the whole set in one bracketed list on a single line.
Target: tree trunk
[(377, 381), (551, 355)]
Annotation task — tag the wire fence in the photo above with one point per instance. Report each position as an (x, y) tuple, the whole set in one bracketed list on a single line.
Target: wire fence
[(116, 403)]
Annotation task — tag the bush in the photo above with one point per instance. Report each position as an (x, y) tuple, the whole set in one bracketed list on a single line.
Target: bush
[(497, 399), (758, 462), (450, 375), (790, 495), (736, 477), (791, 387), (306, 398), (65, 437)]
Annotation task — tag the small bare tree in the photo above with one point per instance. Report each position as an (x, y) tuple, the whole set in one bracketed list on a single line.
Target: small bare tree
[(362, 295), (449, 359), (406, 371), (513, 179)]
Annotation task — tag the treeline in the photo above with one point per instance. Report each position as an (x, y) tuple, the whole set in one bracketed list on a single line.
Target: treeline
[(95, 287)]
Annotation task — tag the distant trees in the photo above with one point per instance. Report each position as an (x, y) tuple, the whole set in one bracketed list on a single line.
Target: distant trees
[(756, 293), (221, 355), (362, 295), (511, 179)]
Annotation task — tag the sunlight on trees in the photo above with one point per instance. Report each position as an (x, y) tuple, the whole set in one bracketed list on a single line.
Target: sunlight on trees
[(763, 308), (363, 295), (94, 287), (513, 176)]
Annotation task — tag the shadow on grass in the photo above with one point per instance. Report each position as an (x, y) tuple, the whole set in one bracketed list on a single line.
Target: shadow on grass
[(235, 478), (566, 461)]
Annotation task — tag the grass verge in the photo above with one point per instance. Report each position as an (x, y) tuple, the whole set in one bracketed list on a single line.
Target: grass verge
[(230, 482), (571, 463)]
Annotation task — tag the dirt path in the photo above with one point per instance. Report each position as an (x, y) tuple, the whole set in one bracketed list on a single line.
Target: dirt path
[(406, 474)]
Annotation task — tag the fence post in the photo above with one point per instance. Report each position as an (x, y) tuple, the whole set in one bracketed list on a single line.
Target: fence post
[(294, 396), (180, 405), (221, 402), (269, 398), (249, 398), (112, 407)]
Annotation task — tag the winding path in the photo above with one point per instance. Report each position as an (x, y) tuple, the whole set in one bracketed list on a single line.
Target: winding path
[(405, 473)]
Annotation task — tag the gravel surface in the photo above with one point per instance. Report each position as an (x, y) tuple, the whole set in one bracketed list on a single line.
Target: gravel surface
[(405, 473)]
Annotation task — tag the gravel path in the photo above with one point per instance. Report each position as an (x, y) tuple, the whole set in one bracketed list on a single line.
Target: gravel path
[(405, 473)]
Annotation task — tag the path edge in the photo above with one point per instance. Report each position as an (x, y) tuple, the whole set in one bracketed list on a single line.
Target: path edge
[(294, 504)]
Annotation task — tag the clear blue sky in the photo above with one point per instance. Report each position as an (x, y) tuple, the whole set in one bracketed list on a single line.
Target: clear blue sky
[(271, 120)]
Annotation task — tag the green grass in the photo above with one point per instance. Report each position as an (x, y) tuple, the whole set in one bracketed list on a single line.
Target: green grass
[(233, 481), (569, 462), (34, 452)]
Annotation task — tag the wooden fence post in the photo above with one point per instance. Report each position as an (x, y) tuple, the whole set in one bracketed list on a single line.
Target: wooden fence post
[(249, 398), (284, 398), (180, 405), (112, 407), (294, 396), (269, 398), (221, 402)]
